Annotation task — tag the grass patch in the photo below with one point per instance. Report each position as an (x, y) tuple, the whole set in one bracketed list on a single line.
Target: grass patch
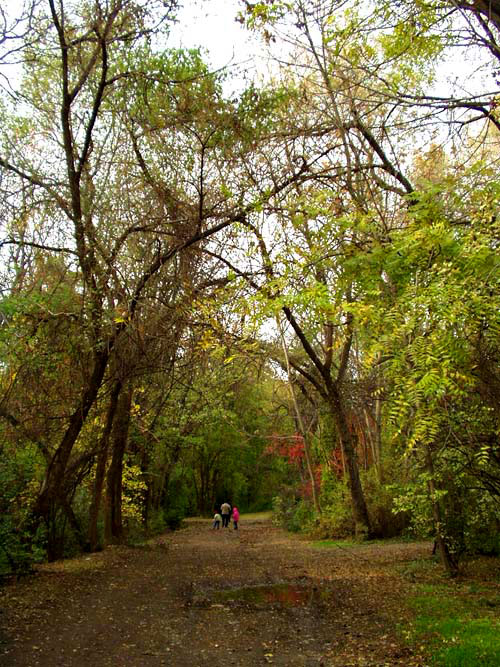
[(256, 516), (348, 544), (458, 623), (330, 544), (83, 563)]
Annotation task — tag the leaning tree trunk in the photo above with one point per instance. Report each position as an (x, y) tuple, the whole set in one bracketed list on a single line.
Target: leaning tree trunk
[(113, 518), (361, 518), (378, 438), (300, 421), (51, 497), (102, 458)]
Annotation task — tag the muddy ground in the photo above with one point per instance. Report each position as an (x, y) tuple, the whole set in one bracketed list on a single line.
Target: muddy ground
[(198, 597)]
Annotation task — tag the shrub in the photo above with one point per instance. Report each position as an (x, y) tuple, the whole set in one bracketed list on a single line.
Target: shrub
[(20, 544), (470, 524), (293, 514), (302, 517), (386, 522), (173, 518), (336, 518)]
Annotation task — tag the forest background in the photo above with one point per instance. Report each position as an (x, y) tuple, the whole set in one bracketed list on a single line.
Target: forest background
[(280, 291)]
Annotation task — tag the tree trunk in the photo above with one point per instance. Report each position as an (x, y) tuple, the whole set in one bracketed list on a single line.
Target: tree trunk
[(149, 493), (374, 438), (100, 472), (113, 522), (378, 438), (359, 510), (300, 422), (75, 525), (49, 497), (449, 563)]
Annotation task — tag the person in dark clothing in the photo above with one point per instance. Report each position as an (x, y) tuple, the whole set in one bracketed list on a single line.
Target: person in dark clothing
[(225, 510)]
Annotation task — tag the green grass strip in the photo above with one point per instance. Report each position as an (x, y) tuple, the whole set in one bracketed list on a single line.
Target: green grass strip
[(458, 632)]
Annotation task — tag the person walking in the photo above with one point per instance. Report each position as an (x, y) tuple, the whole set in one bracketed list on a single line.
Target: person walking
[(225, 510), (236, 517)]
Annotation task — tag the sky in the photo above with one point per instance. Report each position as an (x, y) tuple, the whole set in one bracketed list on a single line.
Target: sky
[(212, 24)]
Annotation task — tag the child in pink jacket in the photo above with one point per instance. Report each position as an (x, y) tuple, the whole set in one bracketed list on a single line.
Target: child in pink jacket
[(236, 517)]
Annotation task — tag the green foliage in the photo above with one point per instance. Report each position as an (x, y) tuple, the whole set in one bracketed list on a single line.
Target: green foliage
[(156, 522), (134, 488), (415, 279), (258, 15), (295, 515), (178, 493), (173, 519), (386, 522), (416, 37), (336, 518), (302, 517), (20, 546), (413, 500), (432, 331), (470, 516)]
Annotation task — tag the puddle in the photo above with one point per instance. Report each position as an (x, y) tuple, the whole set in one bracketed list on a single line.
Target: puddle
[(284, 595)]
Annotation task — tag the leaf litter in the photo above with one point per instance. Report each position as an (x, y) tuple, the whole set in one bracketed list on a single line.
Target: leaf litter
[(214, 598)]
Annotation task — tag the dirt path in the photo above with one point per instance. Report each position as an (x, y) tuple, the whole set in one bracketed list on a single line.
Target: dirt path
[(205, 598)]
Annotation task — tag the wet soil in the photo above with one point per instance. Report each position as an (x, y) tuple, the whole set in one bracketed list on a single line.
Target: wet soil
[(198, 597)]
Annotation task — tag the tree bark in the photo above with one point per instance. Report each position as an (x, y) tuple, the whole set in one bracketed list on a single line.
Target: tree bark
[(378, 438), (114, 523), (449, 563), (52, 495), (361, 518), (300, 421), (100, 473)]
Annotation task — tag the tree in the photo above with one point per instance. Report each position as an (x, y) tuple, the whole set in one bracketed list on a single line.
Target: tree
[(118, 169), (373, 65)]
